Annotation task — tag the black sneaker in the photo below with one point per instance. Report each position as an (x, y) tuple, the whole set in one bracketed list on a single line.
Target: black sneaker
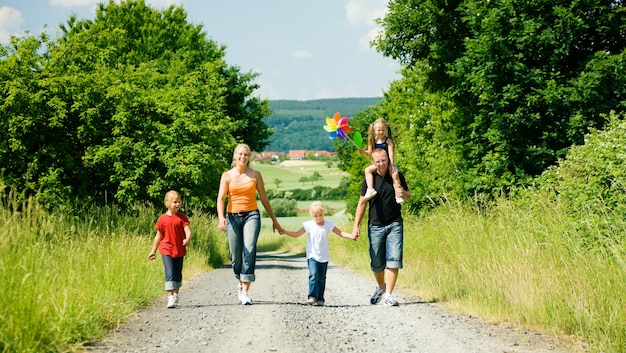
[(378, 293)]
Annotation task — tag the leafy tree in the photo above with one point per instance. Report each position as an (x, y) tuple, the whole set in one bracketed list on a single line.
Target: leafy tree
[(122, 108), (316, 176), (527, 79)]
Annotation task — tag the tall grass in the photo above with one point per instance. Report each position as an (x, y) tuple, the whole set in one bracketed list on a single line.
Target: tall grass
[(525, 264), (68, 279)]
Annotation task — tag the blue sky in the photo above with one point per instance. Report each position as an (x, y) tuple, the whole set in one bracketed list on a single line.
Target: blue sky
[(302, 49)]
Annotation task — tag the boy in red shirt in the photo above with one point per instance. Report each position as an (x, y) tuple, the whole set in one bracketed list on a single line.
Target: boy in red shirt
[(172, 237)]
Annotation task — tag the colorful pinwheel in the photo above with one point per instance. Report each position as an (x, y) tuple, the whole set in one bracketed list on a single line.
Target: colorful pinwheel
[(338, 127)]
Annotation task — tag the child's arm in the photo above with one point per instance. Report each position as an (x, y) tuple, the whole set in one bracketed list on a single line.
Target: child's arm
[(344, 234), (295, 234), (155, 245), (187, 235), (390, 150), (368, 152)]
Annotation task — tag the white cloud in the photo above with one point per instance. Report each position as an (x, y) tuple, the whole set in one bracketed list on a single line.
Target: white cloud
[(267, 90), (10, 23), (364, 12), (299, 54), (364, 41)]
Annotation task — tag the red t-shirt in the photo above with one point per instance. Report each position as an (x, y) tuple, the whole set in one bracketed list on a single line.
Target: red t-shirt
[(172, 230)]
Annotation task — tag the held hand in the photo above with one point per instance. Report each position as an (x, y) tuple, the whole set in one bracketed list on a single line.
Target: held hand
[(356, 233), (276, 226)]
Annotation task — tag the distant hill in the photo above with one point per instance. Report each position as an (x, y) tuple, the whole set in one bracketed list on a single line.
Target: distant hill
[(298, 125)]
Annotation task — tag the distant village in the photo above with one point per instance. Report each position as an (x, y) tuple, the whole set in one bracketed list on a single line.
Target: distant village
[(294, 155)]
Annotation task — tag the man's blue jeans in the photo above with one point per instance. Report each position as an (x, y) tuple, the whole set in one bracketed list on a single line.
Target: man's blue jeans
[(386, 244)]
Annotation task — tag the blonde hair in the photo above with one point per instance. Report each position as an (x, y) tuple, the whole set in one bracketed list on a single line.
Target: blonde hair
[(169, 196), (371, 138), (240, 146), (316, 206)]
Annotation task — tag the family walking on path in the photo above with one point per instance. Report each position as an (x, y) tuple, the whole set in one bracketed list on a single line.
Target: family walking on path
[(383, 190)]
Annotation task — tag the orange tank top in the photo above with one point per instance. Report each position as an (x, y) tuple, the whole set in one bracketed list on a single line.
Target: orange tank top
[(242, 196)]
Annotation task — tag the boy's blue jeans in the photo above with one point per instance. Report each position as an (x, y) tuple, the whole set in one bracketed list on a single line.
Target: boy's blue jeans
[(317, 279), (173, 272)]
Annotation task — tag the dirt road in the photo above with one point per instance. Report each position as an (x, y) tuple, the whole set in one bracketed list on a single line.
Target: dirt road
[(209, 319)]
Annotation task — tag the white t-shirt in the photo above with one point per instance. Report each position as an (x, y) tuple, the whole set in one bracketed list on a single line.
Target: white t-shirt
[(317, 240)]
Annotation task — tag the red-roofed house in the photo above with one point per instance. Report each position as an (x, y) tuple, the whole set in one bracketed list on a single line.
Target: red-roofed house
[(297, 154)]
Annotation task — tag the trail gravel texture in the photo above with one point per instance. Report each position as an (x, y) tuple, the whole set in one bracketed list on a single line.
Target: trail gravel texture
[(209, 319)]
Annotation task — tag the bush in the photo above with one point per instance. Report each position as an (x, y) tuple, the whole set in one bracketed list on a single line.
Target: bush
[(283, 208), (593, 176), (590, 185)]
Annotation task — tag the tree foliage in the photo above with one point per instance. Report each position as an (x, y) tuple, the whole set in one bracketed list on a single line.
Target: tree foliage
[(122, 108), (526, 81)]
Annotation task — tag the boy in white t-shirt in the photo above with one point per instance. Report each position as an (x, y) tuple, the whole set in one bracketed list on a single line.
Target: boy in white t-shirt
[(317, 252)]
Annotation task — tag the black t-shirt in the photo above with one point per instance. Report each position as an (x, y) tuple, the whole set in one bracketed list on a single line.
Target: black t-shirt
[(383, 208)]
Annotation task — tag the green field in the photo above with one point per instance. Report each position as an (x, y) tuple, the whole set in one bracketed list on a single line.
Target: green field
[(289, 173)]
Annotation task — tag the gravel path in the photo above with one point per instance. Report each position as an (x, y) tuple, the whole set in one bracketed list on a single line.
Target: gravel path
[(210, 320)]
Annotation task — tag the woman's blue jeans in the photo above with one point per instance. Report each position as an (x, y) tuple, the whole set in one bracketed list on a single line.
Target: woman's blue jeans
[(243, 232), (317, 279)]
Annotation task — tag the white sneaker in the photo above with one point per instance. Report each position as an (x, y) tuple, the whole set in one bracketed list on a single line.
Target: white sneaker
[(245, 299), (390, 300), (399, 200), (239, 291), (370, 193), (176, 299), (171, 301)]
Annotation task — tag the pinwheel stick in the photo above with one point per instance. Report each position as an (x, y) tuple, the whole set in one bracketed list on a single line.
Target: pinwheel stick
[(354, 143)]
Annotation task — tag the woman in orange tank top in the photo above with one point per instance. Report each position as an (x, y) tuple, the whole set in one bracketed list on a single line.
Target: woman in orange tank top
[(242, 221)]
